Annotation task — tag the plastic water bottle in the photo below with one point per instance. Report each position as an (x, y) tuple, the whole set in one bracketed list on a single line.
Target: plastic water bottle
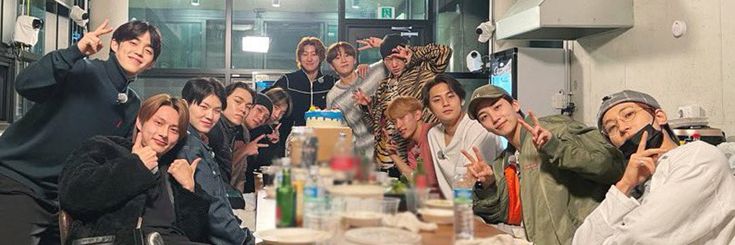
[(313, 196), (463, 223)]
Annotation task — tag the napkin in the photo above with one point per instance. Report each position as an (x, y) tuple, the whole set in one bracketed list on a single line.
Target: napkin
[(408, 221), (500, 239)]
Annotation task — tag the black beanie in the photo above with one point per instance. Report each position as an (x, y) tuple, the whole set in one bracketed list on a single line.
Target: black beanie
[(262, 99), (390, 42)]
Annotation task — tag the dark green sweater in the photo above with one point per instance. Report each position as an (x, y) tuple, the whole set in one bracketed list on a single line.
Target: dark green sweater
[(75, 99)]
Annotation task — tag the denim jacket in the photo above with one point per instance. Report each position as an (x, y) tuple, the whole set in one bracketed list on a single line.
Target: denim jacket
[(224, 225)]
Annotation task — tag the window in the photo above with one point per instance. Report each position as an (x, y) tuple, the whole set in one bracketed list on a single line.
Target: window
[(193, 36), (386, 9), (284, 26)]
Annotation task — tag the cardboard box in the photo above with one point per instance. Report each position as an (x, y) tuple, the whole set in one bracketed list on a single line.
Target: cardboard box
[(327, 138)]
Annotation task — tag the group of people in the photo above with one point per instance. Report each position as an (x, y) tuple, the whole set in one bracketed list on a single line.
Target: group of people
[(125, 170)]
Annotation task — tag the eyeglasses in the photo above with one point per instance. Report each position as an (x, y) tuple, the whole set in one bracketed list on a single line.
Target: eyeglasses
[(625, 115)]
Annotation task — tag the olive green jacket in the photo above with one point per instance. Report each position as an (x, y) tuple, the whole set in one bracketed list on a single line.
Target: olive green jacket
[(559, 184)]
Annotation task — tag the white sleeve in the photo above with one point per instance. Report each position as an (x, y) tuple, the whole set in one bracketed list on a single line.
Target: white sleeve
[(485, 141), (678, 209)]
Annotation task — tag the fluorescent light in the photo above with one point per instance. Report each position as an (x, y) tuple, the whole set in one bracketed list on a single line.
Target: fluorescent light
[(355, 4), (256, 44), (276, 3), (195, 2)]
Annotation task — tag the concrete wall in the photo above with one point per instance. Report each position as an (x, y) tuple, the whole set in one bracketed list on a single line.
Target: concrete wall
[(697, 68)]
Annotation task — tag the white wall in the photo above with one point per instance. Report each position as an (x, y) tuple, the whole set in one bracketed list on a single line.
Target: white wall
[(698, 68), (114, 10)]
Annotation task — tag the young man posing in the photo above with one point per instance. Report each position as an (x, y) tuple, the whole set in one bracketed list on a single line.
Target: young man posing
[(456, 132), (307, 86), (341, 56), (222, 136), (689, 194), (564, 168), (243, 175), (410, 67), (206, 100), (111, 185), (406, 113), (64, 85)]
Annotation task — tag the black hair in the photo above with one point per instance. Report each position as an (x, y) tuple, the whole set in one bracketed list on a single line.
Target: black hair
[(233, 86), (135, 29), (196, 89), (453, 84), (280, 96)]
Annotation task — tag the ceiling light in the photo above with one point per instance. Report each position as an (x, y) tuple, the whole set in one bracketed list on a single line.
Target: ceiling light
[(256, 44), (195, 2), (276, 3)]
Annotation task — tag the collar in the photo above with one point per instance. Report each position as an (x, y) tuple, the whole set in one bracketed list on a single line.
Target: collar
[(117, 74), (192, 132), (319, 75)]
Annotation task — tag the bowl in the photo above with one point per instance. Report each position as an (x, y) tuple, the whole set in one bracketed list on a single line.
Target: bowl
[(362, 218), (439, 203), (437, 215)]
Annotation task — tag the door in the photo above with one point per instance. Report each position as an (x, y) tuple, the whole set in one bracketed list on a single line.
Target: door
[(360, 19)]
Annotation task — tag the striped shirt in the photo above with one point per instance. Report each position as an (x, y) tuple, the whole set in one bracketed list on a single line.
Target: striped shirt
[(340, 97)]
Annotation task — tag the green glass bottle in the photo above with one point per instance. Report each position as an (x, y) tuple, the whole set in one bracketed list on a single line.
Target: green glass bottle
[(285, 201)]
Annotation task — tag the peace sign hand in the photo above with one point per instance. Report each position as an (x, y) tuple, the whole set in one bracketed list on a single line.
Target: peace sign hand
[(360, 98), (274, 136), (371, 42), (252, 147), (641, 165), (540, 135), (403, 53), (91, 44), (478, 168)]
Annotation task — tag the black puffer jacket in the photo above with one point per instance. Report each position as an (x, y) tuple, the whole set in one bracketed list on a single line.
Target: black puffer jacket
[(104, 188)]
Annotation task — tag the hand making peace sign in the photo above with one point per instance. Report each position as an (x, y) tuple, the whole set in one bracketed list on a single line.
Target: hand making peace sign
[(91, 43), (539, 134)]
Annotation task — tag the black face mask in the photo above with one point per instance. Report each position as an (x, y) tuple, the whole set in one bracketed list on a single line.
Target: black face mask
[(655, 139)]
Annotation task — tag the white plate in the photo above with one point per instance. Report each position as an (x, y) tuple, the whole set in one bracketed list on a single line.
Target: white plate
[(363, 218), (440, 203), (361, 191), (382, 235), (292, 236)]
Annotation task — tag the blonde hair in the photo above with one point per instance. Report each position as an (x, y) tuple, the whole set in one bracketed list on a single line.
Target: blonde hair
[(151, 105), (401, 106)]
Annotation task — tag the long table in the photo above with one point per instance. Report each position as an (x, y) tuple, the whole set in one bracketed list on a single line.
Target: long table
[(266, 215)]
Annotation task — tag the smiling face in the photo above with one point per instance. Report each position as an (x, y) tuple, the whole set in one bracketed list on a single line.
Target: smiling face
[(204, 115), (624, 120), (343, 63), (239, 103), (257, 117), (309, 59), (135, 55), (445, 103), (279, 110), (500, 117), (161, 131)]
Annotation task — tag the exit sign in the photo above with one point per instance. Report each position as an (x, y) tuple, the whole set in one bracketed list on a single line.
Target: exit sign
[(386, 12)]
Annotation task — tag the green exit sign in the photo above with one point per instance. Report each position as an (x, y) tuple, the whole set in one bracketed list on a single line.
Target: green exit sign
[(386, 12)]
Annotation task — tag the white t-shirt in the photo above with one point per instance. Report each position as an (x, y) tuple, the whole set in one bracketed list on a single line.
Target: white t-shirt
[(469, 133), (691, 200)]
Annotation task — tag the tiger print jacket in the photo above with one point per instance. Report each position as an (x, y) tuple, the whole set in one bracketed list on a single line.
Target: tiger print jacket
[(426, 62)]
